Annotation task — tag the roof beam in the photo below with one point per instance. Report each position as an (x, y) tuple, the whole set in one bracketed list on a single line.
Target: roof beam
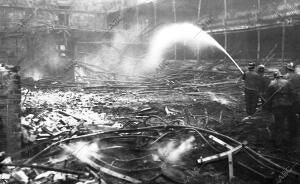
[(57, 10)]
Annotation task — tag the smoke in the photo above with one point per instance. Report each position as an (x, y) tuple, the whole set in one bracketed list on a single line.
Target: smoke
[(120, 55), (123, 57), (43, 58), (173, 154), (84, 151), (218, 99)]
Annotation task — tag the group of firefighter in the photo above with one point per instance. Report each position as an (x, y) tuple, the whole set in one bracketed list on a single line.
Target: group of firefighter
[(279, 95)]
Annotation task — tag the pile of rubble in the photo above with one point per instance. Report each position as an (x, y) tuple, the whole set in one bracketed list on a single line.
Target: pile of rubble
[(55, 113)]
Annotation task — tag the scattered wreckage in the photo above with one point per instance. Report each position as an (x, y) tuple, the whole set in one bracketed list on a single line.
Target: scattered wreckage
[(151, 154), (66, 141)]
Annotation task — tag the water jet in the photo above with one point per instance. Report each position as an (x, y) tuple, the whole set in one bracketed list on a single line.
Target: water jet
[(192, 35)]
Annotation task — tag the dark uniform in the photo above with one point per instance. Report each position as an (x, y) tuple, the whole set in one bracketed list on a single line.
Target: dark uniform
[(251, 79), (279, 95), (289, 75), (294, 80), (290, 71), (264, 81), (295, 85)]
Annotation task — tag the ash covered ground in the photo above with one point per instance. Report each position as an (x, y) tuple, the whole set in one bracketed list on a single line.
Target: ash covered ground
[(155, 131)]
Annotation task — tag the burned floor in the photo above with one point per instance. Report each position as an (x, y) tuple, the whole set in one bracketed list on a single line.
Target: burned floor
[(164, 129)]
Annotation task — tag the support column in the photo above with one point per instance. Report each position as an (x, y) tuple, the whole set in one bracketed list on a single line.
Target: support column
[(184, 50), (283, 38), (283, 43), (199, 8), (155, 13), (122, 14), (137, 18), (17, 47), (174, 10), (225, 40), (258, 45), (174, 13), (230, 167), (258, 9), (258, 30), (75, 60), (105, 22), (198, 18), (225, 29)]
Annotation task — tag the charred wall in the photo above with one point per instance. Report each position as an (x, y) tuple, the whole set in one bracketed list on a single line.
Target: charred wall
[(36, 44)]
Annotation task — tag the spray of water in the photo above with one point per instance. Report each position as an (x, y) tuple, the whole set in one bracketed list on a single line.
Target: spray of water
[(173, 154), (187, 33), (217, 98)]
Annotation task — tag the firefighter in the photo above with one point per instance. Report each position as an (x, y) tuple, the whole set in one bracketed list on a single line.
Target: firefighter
[(251, 79), (279, 102), (290, 71), (295, 85), (264, 82), (294, 79)]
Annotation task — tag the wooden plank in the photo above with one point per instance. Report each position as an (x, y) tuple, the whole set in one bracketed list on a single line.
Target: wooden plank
[(117, 175), (230, 167), (219, 156), (219, 141)]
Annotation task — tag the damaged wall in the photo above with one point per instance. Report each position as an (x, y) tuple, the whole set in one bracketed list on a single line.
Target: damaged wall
[(38, 55), (10, 111), (44, 59), (128, 25)]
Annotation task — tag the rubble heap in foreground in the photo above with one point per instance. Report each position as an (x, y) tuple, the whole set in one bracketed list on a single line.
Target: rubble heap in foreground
[(80, 137)]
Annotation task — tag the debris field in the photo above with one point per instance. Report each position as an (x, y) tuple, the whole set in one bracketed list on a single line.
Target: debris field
[(168, 132)]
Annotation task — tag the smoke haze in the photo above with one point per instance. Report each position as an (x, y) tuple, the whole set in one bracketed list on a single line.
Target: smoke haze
[(173, 154), (83, 151)]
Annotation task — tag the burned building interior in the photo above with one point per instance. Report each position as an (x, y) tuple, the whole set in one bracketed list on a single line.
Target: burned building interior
[(147, 91)]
